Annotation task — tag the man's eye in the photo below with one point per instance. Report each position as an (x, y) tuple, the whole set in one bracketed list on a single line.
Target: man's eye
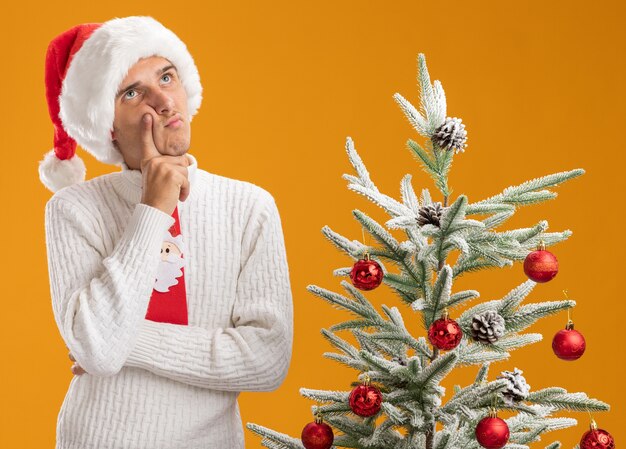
[(128, 92), (168, 75)]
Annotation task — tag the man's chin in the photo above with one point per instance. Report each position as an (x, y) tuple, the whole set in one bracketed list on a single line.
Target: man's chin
[(175, 150)]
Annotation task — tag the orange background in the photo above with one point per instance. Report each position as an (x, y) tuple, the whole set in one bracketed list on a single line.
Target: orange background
[(539, 85)]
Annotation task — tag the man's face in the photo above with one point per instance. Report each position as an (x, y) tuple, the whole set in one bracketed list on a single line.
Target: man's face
[(151, 86)]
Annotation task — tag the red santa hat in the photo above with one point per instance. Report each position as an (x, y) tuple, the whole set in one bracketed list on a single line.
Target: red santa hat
[(84, 68)]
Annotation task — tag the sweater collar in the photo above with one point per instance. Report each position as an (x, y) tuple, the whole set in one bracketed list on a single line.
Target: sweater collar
[(131, 180)]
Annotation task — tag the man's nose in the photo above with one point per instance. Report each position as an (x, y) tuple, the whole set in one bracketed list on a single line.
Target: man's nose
[(162, 102)]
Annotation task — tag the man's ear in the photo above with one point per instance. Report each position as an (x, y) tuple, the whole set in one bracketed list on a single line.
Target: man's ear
[(114, 142)]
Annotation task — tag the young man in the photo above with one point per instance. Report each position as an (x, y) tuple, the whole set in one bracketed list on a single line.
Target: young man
[(170, 285)]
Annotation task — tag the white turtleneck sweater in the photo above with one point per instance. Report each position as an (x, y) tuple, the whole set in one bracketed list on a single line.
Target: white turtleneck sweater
[(153, 385)]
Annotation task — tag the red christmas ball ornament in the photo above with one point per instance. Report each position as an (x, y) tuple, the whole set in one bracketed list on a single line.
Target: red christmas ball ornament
[(365, 400), (444, 333), (541, 265), (492, 432), (317, 435), (568, 344), (366, 274), (597, 439)]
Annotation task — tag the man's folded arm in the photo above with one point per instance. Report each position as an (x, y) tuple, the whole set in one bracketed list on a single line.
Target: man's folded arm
[(99, 302), (255, 354)]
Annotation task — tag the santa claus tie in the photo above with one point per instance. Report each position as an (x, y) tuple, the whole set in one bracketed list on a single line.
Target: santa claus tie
[(168, 303)]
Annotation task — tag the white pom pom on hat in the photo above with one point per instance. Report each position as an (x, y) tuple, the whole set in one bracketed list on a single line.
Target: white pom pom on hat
[(84, 68), (56, 173)]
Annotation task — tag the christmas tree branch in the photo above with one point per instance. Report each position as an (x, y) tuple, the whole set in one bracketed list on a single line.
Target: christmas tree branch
[(363, 433), (346, 360), (275, 440), (400, 333), (486, 247), (530, 313), (440, 296), (555, 445), (393, 207), (384, 346), (383, 437), (528, 436), (473, 354), (392, 340), (361, 307), (514, 341), (381, 235), (488, 208), (527, 192), (364, 186), (436, 371), (459, 298), (402, 284), (498, 219), (325, 395), (568, 401), (353, 428), (343, 345), (481, 375), (505, 306), (426, 122), (432, 98), (396, 252), (452, 223), (484, 404), (540, 419), (438, 168), (470, 395), (475, 263), (409, 198), (524, 235), (432, 102), (444, 164), (491, 249), (549, 239), (399, 282), (395, 414), (354, 249), (524, 428)]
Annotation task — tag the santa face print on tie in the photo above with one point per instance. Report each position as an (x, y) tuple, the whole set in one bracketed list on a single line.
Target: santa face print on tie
[(171, 262), (168, 302)]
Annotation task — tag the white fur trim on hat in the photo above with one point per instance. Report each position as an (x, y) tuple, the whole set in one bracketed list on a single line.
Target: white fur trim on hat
[(87, 100), (56, 173)]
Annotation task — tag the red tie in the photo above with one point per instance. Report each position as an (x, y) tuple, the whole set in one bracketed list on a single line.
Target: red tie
[(168, 303)]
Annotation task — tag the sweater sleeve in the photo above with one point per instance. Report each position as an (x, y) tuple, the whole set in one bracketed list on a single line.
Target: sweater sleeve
[(99, 302), (255, 354)]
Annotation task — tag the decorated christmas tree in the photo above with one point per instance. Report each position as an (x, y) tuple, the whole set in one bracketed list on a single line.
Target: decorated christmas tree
[(398, 399)]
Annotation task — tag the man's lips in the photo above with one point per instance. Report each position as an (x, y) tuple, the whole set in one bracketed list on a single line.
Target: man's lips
[(174, 122)]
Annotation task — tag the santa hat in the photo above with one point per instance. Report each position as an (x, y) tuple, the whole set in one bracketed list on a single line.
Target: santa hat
[(84, 68)]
